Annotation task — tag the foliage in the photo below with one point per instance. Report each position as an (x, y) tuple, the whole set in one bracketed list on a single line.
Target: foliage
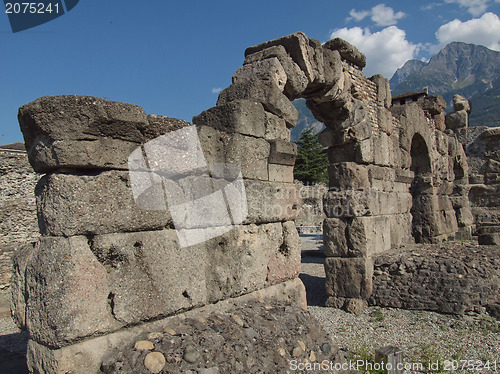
[(311, 165)]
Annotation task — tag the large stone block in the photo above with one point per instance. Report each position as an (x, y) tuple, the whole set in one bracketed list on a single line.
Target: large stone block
[(268, 69), (285, 263), (306, 52), (384, 96), (244, 117), (434, 104), (101, 203), (237, 262), (335, 238), (296, 79), (150, 275), (347, 51), (265, 92), (461, 103), (71, 117), (67, 292), (369, 235), (276, 128), (21, 259), (280, 173), (349, 277), (47, 155), (382, 147), (283, 152), (86, 132), (457, 120), (248, 153), (348, 175), (272, 201)]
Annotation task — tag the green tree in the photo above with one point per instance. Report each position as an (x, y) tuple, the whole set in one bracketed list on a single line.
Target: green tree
[(311, 165)]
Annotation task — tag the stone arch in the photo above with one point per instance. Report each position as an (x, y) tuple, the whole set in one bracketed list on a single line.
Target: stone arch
[(421, 167)]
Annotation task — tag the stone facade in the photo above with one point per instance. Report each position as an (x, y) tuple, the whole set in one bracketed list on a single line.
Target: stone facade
[(484, 156)]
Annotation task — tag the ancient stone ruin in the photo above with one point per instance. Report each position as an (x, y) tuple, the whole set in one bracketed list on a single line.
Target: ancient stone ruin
[(105, 269)]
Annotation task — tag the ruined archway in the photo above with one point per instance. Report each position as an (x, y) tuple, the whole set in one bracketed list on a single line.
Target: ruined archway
[(421, 167)]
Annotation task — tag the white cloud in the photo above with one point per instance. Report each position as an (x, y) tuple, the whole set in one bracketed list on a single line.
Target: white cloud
[(380, 14), (484, 31), (216, 90), (358, 16), (385, 16), (474, 7), (385, 51)]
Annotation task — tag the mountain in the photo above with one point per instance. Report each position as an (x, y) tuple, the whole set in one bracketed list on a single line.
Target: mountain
[(306, 120), (466, 69)]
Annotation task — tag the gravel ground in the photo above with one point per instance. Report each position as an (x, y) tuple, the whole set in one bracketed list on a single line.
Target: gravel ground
[(422, 336)]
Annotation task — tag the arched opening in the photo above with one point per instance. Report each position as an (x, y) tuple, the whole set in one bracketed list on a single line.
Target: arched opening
[(421, 166)]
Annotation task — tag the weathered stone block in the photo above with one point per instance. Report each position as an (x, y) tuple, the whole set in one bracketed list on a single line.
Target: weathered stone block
[(296, 79), (87, 356), (348, 175), (67, 292), (369, 235), (244, 117), (86, 132), (401, 229), (272, 201), (434, 104), (306, 52), (268, 69), (248, 153), (149, 274), (347, 51), (384, 97), (285, 263), (20, 261), (46, 155), (71, 117), (264, 92), (461, 103), (385, 120), (456, 120), (335, 238), (237, 262), (349, 277), (382, 147), (283, 152), (96, 204), (276, 128), (280, 173)]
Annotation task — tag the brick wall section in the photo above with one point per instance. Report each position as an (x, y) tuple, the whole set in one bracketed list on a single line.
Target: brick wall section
[(363, 89)]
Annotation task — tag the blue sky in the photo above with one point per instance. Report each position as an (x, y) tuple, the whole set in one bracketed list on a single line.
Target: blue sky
[(172, 58)]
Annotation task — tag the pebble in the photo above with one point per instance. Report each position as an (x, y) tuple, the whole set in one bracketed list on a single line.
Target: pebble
[(251, 333), (144, 345), (155, 362), (296, 352), (170, 331), (282, 352), (326, 348), (237, 319), (213, 370), (155, 335), (302, 345), (312, 356), (191, 355)]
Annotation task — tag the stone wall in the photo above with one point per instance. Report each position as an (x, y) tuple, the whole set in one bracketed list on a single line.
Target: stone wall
[(18, 222), (110, 256), (453, 278), (483, 150)]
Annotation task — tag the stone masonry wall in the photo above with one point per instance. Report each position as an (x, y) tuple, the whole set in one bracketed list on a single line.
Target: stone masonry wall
[(18, 223)]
